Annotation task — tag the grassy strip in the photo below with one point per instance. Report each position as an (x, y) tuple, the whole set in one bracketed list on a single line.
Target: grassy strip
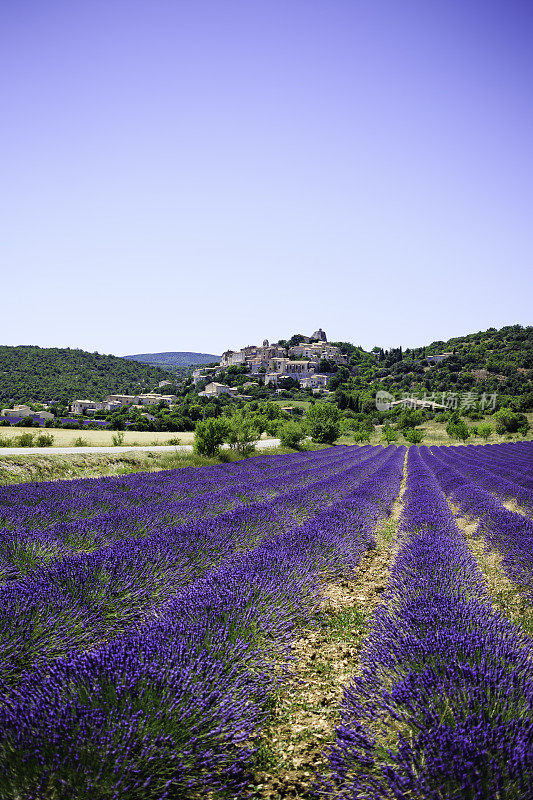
[(22, 469), (504, 593), (305, 712)]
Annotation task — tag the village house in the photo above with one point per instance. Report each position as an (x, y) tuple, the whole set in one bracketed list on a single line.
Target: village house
[(116, 401), (25, 411), (438, 358), (202, 373), (90, 406), (214, 389), (318, 351), (153, 399), (285, 368), (317, 381), (123, 399), (414, 402)]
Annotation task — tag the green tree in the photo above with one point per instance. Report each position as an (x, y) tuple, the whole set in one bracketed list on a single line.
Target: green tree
[(241, 433), (484, 430), (388, 434), (506, 421), (413, 435), (323, 422), (209, 435), (458, 430), (291, 435), (409, 418)]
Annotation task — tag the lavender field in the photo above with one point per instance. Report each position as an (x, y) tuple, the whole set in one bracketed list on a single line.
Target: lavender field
[(149, 622)]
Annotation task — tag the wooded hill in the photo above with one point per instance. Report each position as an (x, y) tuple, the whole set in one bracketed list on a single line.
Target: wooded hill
[(488, 361), (179, 359), (28, 372)]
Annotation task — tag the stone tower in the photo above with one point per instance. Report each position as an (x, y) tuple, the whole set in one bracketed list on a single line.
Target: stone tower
[(320, 335)]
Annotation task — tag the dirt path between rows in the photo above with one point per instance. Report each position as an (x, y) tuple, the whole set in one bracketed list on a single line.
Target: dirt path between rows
[(306, 711), (513, 505), (504, 593)]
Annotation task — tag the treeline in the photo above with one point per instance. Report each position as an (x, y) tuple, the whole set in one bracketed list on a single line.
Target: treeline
[(30, 373)]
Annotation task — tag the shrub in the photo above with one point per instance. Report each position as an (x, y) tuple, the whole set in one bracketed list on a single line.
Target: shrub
[(24, 440), (25, 422), (291, 435), (118, 438), (224, 456), (458, 430), (484, 430), (388, 434), (413, 435), (507, 421), (45, 440), (209, 434), (323, 422), (80, 442)]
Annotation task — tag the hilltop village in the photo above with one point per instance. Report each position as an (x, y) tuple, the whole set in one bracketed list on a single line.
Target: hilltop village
[(478, 372), (308, 361)]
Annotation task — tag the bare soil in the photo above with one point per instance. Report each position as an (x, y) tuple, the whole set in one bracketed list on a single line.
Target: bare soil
[(293, 748)]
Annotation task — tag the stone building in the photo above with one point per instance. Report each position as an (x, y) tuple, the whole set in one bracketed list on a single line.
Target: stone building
[(214, 389), (320, 335)]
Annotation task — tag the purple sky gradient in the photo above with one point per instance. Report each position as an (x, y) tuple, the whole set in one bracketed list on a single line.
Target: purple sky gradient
[(201, 175)]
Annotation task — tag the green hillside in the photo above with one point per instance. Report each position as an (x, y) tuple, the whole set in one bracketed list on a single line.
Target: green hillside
[(498, 361), (28, 372)]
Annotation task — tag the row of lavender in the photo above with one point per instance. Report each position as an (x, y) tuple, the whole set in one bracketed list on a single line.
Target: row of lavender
[(42, 504), (168, 704), (36, 538), (83, 598), (505, 471), (443, 707), (474, 490)]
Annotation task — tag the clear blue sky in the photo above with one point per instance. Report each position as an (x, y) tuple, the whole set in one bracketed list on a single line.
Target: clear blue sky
[(201, 175)]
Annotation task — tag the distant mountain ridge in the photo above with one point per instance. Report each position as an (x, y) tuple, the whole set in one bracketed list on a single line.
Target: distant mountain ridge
[(175, 359)]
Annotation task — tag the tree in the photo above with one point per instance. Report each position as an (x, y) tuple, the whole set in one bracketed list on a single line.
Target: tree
[(506, 421), (209, 435), (409, 418), (341, 376), (291, 435), (288, 383), (484, 430), (458, 430), (297, 339), (326, 366), (241, 433), (413, 435), (388, 435), (323, 422)]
